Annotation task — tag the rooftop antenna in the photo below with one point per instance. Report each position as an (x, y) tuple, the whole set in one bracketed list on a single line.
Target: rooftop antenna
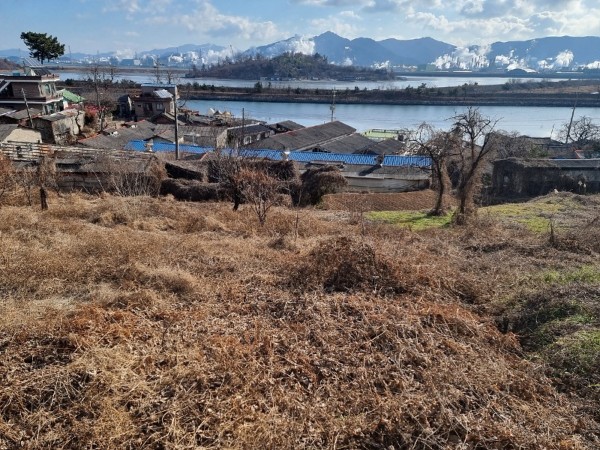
[(332, 106)]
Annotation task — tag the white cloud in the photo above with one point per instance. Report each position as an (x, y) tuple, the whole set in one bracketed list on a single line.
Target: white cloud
[(336, 25), (207, 20), (136, 6), (350, 15)]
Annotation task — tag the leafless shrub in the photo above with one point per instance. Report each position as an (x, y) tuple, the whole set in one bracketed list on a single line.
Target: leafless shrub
[(226, 170), (133, 177), (260, 191), (7, 176)]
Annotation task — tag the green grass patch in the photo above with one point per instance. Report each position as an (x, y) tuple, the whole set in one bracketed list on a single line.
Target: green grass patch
[(415, 220), (536, 215), (578, 352), (584, 274), (547, 333)]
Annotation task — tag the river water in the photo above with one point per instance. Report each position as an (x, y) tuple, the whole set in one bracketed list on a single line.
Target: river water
[(531, 121)]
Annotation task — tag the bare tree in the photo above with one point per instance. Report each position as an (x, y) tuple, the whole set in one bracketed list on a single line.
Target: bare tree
[(582, 131), (130, 178), (259, 190), (472, 129), (7, 176), (513, 145), (439, 146), (101, 79), (46, 177)]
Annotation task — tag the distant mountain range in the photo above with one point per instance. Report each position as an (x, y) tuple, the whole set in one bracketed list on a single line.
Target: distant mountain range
[(545, 53), (549, 53)]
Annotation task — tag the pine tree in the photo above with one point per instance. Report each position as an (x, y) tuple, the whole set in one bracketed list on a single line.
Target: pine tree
[(42, 46)]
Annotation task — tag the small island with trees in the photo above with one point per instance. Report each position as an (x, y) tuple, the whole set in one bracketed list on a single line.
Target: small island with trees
[(288, 66)]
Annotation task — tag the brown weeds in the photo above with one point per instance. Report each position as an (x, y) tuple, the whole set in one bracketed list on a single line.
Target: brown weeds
[(177, 326)]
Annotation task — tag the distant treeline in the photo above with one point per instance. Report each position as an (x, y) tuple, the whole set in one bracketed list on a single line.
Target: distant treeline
[(508, 94)]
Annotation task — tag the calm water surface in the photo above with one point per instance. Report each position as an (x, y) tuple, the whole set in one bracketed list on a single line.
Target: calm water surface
[(531, 121)]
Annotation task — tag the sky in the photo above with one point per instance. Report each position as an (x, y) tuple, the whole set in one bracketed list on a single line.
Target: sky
[(128, 26)]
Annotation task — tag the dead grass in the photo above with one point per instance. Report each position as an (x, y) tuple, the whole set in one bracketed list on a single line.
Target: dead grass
[(148, 323), (405, 201)]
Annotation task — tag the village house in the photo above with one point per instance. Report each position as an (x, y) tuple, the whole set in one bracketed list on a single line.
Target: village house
[(21, 117), (285, 126), (61, 128), (33, 89), (213, 137), (14, 133), (246, 134), (117, 138), (373, 173), (519, 177), (330, 137), (307, 138), (154, 99)]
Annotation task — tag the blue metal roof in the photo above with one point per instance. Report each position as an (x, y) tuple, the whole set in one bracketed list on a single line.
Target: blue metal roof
[(305, 157), (333, 157), (398, 160), (266, 154), (140, 146)]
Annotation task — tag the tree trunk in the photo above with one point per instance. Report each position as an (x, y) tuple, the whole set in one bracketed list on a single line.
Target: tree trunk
[(465, 209), (43, 198)]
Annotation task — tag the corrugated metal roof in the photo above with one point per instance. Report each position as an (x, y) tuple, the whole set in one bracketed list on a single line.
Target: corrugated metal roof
[(162, 93), (397, 160), (141, 146), (71, 97), (305, 138), (333, 157)]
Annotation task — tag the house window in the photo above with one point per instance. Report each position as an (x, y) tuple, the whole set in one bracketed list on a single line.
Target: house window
[(160, 107)]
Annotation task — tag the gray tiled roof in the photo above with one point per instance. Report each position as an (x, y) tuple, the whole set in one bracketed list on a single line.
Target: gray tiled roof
[(120, 139), (355, 143), (5, 130), (387, 147), (305, 138), (553, 163)]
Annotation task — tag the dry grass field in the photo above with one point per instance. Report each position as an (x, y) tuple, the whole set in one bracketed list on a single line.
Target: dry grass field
[(143, 323)]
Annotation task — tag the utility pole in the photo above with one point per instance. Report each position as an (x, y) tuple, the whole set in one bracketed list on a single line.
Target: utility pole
[(571, 121), (176, 126), (332, 106), (243, 127), (27, 106)]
